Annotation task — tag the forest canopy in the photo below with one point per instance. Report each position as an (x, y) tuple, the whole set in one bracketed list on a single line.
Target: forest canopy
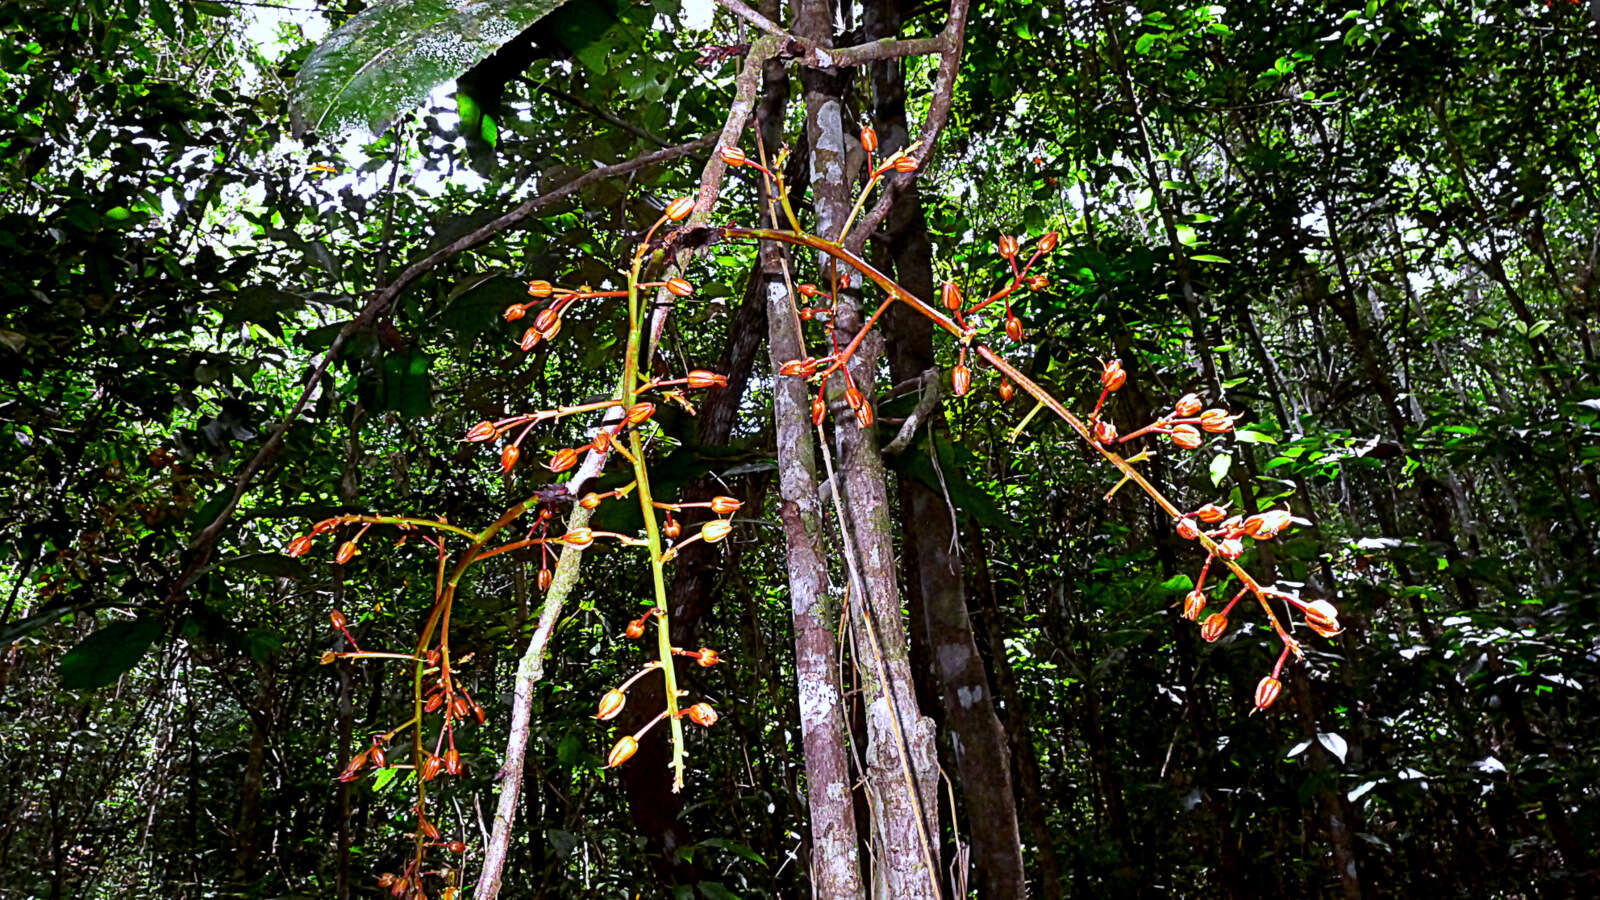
[(835, 448)]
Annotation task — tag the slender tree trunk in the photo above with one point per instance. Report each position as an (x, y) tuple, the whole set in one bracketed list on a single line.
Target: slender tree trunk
[(1375, 360), (349, 489), (244, 858), (58, 855), (530, 669), (1165, 207), (1019, 729), (345, 716)]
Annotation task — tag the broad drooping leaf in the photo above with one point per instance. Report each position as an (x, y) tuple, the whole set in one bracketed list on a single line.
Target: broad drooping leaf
[(103, 656), (387, 59)]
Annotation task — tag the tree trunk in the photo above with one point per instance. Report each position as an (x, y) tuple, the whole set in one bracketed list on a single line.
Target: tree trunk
[(244, 858), (902, 766), (1019, 729), (349, 488), (835, 866), (934, 581)]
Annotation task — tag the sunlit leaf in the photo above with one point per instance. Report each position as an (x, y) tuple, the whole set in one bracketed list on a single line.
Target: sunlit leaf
[(1246, 436), (1333, 743), (388, 58), (1219, 467)]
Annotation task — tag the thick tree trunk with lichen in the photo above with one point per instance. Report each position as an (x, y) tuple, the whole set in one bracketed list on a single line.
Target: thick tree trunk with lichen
[(835, 864), (902, 768)]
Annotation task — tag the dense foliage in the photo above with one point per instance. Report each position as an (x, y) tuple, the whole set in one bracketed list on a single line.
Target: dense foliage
[(1371, 227)]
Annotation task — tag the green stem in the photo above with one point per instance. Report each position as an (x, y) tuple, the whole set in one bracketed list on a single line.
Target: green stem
[(410, 522), (641, 475)]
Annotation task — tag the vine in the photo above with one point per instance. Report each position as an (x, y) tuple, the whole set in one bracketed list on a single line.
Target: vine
[(624, 431)]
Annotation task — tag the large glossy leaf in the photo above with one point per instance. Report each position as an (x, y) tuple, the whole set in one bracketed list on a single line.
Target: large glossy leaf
[(386, 60)]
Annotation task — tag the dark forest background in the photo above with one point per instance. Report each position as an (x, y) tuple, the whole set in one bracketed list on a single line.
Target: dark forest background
[(1371, 227)]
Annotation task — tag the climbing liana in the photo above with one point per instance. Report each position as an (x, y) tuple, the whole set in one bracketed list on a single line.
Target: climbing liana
[(977, 314)]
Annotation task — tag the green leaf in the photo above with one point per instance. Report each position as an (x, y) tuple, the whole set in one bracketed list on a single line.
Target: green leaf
[(1177, 584), (477, 304), (1033, 219), (1144, 43), (320, 338), (591, 32), (261, 643), (1246, 436), (735, 848), (568, 749), (407, 388), (161, 14), (387, 59), (273, 565), (385, 776), (102, 657), (1210, 257), (208, 511), (1220, 464), (261, 305), (950, 479), (469, 111)]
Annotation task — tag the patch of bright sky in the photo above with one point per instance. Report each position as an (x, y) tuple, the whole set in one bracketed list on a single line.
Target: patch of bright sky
[(696, 15)]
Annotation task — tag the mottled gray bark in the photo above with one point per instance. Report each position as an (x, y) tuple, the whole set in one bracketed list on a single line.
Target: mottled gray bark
[(835, 848), (835, 863), (900, 741)]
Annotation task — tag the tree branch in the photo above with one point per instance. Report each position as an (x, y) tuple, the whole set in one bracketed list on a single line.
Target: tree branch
[(530, 669), (925, 407), (809, 53), (754, 18), (953, 38), (747, 84)]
